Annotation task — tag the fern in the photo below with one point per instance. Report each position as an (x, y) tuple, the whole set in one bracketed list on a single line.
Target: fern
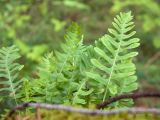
[(71, 64), (9, 71), (78, 74), (114, 70), (81, 96), (44, 86), (61, 77), (109, 62), (41, 89)]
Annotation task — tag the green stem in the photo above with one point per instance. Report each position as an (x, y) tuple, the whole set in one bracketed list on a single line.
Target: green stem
[(114, 61)]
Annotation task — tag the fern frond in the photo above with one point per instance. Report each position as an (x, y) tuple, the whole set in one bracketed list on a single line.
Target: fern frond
[(115, 69), (9, 70), (83, 91), (41, 89), (62, 73), (46, 82), (71, 48), (71, 65)]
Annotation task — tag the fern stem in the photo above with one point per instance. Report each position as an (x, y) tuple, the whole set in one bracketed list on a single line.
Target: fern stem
[(114, 61), (112, 69)]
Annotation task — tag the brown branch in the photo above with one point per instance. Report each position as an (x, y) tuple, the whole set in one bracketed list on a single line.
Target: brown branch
[(124, 96), (83, 111)]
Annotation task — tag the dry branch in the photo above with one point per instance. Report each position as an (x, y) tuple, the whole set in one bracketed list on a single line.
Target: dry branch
[(126, 96), (83, 111)]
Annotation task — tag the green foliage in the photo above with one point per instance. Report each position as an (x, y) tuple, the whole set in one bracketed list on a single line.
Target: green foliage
[(156, 43), (39, 23), (44, 88), (74, 4), (34, 22), (33, 53), (78, 74), (9, 71), (63, 73), (36, 27)]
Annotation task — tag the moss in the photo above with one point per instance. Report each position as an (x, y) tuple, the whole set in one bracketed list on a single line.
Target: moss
[(62, 115)]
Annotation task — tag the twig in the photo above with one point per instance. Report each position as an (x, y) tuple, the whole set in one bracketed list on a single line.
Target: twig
[(83, 111), (153, 58), (125, 96)]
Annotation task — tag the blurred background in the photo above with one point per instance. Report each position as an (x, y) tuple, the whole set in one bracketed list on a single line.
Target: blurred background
[(38, 26)]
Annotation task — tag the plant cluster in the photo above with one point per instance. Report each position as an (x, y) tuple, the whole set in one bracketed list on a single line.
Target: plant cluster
[(78, 74)]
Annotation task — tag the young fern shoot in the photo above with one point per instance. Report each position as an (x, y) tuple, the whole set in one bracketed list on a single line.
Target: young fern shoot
[(115, 69)]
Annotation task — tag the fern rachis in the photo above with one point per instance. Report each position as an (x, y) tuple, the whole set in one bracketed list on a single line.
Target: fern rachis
[(116, 54)]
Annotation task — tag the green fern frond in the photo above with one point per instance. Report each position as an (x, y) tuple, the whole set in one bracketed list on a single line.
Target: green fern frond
[(114, 70), (25, 92), (83, 91), (46, 82), (9, 70), (71, 65), (41, 89), (62, 73)]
